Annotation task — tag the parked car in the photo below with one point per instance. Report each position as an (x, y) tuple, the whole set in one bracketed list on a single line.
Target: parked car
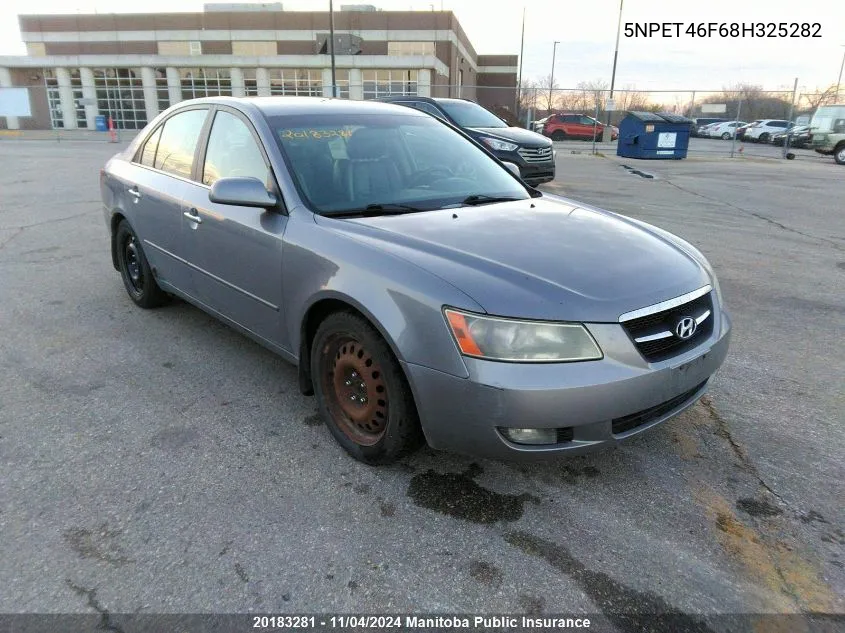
[(700, 122), (725, 130), (704, 130), (740, 131), (537, 126), (531, 154), (560, 127), (799, 136), (424, 291), (762, 131), (828, 128)]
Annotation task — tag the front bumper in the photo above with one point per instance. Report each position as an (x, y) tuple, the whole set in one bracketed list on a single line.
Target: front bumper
[(588, 399), (537, 173)]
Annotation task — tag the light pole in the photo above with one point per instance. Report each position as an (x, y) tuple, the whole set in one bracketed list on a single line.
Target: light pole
[(841, 66), (615, 56), (552, 78), (331, 36)]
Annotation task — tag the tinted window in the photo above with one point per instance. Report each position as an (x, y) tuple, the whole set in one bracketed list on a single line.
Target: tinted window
[(148, 155), (469, 114), (571, 118), (232, 151), (178, 141), (778, 123), (427, 108)]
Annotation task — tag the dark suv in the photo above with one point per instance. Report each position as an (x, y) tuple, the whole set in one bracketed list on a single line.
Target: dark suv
[(532, 153)]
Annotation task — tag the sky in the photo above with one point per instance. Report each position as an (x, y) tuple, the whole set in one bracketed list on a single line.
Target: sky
[(586, 32)]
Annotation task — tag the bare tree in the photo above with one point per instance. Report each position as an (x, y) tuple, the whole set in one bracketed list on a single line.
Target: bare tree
[(811, 101)]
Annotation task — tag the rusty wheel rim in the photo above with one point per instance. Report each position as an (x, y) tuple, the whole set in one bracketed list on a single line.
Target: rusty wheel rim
[(353, 384)]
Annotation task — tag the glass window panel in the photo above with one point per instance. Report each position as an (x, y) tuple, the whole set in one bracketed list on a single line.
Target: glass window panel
[(232, 151), (178, 141)]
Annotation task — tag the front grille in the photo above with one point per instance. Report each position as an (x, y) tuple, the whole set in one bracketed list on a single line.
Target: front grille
[(632, 421), (536, 154), (661, 323)]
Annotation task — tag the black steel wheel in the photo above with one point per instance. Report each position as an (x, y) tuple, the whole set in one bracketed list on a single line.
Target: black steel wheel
[(134, 269)]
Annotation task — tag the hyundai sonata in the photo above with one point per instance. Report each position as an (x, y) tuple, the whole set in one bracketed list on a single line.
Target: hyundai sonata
[(424, 291)]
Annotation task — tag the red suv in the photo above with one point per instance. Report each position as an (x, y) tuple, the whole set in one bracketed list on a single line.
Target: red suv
[(578, 126)]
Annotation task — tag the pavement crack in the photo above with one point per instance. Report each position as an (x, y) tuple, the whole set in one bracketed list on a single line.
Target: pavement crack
[(757, 215), (90, 596), (50, 221), (724, 431)]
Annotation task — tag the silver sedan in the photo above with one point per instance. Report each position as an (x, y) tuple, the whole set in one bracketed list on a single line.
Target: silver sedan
[(424, 291)]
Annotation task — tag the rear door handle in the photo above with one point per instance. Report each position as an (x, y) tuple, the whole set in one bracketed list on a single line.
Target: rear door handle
[(193, 215), (133, 191)]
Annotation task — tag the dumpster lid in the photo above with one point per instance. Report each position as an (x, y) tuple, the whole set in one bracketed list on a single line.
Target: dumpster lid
[(645, 116), (675, 118)]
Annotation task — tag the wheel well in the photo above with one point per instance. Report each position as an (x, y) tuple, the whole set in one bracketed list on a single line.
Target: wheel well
[(316, 314), (116, 219)]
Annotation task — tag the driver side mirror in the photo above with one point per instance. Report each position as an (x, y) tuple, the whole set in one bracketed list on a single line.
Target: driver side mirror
[(242, 192)]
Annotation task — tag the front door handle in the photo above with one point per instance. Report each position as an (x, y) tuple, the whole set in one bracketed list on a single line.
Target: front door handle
[(133, 191), (193, 215)]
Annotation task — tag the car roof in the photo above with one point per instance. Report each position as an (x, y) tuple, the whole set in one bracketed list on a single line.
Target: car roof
[(276, 106)]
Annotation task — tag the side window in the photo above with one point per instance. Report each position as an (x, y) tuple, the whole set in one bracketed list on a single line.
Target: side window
[(178, 141), (232, 151), (585, 120), (571, 118), (428, 108), (148, 154)]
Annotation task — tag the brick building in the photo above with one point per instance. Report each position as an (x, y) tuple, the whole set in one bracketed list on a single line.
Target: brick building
[(132, 66)]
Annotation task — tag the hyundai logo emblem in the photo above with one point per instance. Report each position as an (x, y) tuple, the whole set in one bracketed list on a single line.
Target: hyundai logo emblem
[(685, 328)]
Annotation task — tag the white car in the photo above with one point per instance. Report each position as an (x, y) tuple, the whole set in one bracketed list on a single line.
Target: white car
[(704, 130), (765, 129), (724, 131)]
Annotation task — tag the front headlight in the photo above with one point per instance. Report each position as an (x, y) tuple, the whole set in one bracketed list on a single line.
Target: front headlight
[(498, 144), (495, 338)]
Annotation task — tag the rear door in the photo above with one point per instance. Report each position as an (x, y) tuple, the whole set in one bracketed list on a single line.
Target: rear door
[(236, 252), (162, 172)]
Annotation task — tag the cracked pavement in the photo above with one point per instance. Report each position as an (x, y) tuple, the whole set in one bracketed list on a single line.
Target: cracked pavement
[(158, 462)]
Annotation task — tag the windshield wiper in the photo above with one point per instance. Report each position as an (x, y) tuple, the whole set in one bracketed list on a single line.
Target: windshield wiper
[(372, 210), (480, 198)]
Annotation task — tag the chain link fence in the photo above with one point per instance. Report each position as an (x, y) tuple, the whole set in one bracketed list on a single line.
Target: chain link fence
[(114, 112)]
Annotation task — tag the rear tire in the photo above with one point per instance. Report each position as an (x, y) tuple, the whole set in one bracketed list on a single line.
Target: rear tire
[(361, 391), (137, 276), (726, 136), (839, 154), (558, 135), (764, 137)]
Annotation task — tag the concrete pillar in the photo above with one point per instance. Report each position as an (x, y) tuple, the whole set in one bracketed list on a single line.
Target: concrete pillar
[(424, 82), (148, 82), (238, 86), (327, 82), (66, 99), (12, 122), (174, 86), (89, 93), (356, 84), (262, 82)]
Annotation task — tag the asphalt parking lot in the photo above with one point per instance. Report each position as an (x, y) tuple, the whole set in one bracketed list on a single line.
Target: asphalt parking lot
[(157, 461)]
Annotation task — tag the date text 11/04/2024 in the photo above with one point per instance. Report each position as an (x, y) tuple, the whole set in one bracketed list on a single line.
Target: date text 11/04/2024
[(416, 622), (723, 29)]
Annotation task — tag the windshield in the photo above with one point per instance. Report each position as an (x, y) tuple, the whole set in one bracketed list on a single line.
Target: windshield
[(469, 114), (343, 163), (826, 118)]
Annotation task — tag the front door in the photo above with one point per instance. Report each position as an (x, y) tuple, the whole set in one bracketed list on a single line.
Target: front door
[(236, 252)]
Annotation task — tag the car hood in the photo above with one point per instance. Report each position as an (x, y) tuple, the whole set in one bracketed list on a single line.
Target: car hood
[(515, 134), (538, 258)]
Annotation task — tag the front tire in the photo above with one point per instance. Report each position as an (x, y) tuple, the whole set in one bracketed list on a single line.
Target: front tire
[(839, 154), (361, 391), (726, 137), (764, 137), (137, 276)]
